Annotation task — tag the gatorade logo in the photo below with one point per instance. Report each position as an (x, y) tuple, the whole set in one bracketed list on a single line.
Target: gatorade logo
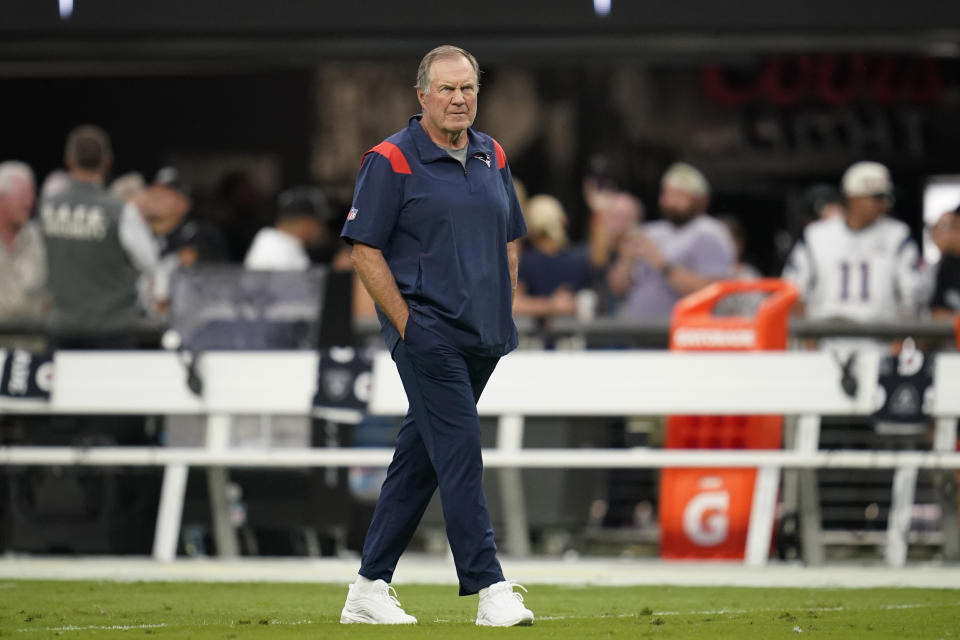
[(705, 513), (706, 518)]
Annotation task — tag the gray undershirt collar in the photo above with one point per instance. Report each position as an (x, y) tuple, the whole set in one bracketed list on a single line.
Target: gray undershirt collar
[(458, 154)]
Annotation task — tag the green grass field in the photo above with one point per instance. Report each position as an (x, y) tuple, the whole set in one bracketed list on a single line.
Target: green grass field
[(33, 609)]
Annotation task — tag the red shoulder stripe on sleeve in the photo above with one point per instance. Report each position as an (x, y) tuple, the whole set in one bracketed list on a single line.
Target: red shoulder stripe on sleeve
[(392, 153), (501, 156)]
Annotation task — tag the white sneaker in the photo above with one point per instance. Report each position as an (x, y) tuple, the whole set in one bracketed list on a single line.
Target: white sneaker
[(501, 606), (374, 603)]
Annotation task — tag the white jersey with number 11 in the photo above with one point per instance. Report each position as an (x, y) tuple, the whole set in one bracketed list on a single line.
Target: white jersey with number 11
[(867, 275)]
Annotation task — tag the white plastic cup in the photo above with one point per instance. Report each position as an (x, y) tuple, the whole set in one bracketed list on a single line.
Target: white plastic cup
[(586, 305)]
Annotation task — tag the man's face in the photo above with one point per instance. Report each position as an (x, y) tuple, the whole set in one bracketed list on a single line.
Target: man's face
[(862, 211), (620, 215), (953, 242), (946, 233), (162, 208), (678, 205), (16, 205), (314, 233), (451, 105)]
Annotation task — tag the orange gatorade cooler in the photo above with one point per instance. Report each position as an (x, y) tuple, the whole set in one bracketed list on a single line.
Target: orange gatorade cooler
[(705, 513)]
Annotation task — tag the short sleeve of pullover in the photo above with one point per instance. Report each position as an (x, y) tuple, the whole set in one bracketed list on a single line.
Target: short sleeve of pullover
[(516, 227), (377, 198)]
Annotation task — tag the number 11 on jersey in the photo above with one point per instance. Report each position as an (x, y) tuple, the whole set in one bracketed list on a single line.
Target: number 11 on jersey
[(845, 279)]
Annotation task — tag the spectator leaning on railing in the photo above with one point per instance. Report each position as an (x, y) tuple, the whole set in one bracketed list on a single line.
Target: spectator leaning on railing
[(183, 238), (96, 246), (23, 267), (301, 225), (550, 272), (665, 260), (946, 292), (612, 215), (862, 266)]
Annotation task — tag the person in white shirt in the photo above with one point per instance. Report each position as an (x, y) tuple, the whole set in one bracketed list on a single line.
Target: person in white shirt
[(23, 261), (301, 224), (860, 267), (863, 266)]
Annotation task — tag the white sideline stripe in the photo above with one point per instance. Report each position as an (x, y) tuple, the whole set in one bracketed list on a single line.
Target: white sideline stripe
[(136, 627), (98, 627), (419, 568)]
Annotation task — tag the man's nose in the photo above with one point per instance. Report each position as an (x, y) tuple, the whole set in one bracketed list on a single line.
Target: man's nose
[(458, 96)]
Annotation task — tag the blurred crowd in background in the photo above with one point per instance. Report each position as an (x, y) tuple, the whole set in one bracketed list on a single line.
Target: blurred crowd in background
[(93, 254)]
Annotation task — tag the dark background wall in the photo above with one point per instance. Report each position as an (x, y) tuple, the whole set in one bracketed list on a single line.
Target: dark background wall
[(387, 16), (149, 118)]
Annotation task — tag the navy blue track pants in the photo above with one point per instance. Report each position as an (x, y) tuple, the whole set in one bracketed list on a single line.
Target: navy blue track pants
[(438, 445)]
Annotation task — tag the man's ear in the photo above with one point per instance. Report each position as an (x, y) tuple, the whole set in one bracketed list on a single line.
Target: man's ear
[(420, 95)]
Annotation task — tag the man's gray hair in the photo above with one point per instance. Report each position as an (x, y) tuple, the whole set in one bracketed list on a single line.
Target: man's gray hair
[(13, 170), (443, 51)]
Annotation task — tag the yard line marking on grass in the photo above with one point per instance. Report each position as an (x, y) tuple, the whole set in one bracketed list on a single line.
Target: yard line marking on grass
[(886, 607), (730, 612), (8, 585), (100, 627), (138, 627), (719, 612)]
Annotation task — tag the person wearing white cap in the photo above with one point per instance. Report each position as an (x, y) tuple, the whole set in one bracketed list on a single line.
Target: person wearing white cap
[(667, 259), (863, 266)]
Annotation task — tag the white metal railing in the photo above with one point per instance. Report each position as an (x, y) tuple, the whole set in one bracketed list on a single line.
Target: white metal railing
[(525, 384)]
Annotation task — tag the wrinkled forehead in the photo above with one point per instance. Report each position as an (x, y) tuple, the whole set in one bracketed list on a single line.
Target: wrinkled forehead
[(452, 69)]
